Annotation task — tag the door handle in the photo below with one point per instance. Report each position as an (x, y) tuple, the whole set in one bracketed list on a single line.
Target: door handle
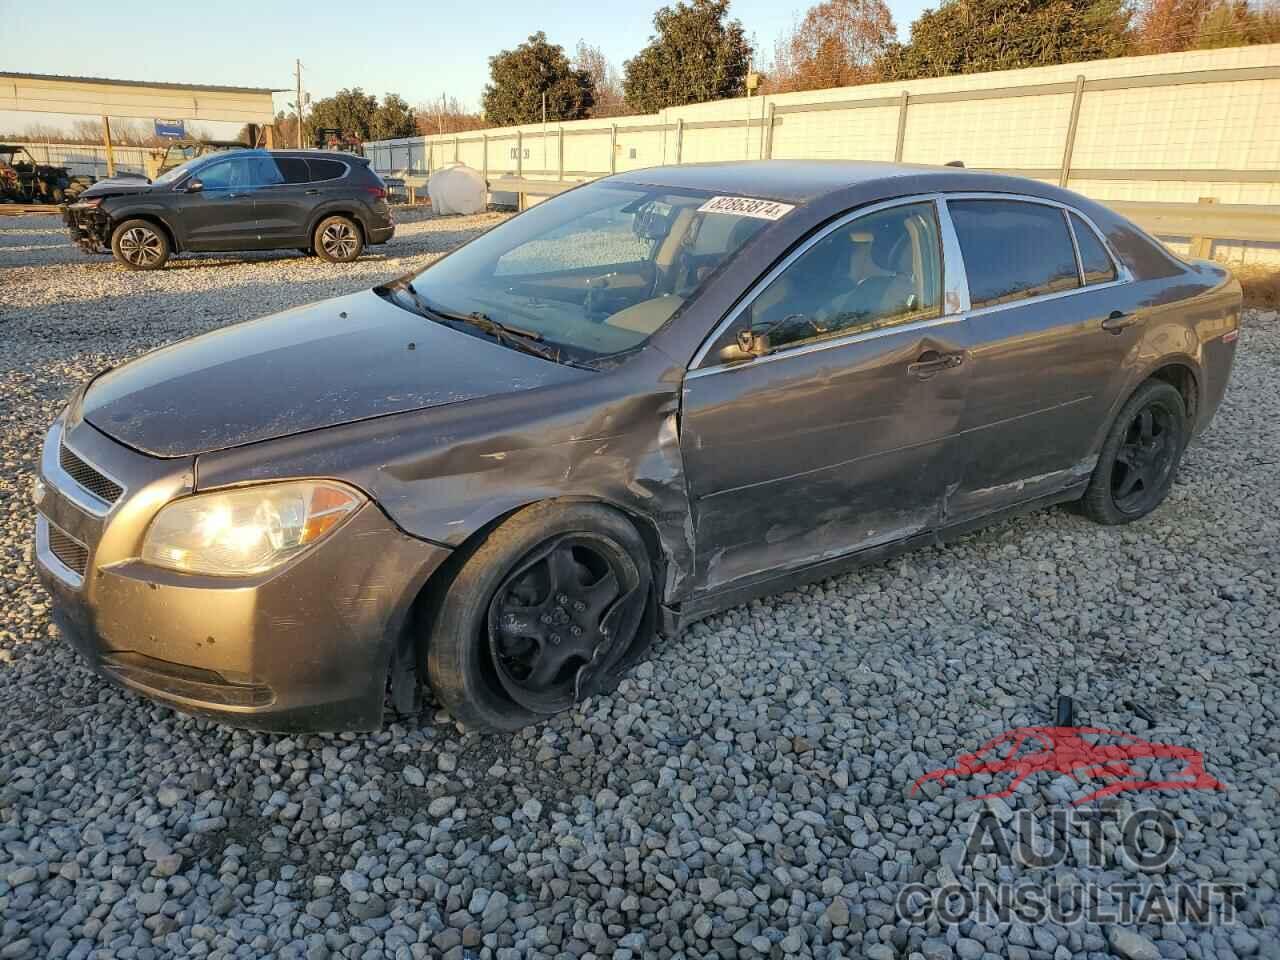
[(1118, 320), (311, 193), (931, 363)]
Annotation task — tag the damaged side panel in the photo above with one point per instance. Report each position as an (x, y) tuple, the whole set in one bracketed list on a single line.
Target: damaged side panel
[(446, 473)]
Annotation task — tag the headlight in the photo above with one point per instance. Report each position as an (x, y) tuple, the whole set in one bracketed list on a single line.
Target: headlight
[(248, 530)]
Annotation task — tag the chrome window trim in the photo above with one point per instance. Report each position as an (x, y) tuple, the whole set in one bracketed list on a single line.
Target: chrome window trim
[(957, 304), (948, 294), (65, 484), (49, 559)]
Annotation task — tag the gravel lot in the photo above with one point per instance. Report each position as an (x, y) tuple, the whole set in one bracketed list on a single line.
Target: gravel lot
[(745, 793)]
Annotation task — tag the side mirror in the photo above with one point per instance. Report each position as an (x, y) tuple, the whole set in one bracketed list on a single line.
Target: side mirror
[(748, 346), (195, 185)]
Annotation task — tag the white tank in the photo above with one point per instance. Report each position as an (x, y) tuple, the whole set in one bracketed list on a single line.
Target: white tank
[(457, 189)]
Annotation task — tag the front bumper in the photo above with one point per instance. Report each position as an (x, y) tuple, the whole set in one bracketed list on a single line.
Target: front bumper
[(88, 227), (306, 647)]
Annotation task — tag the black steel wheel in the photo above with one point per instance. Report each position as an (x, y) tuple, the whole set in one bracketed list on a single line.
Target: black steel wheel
[(1140, 456), (549, 609), (140, 245), (338, 240)]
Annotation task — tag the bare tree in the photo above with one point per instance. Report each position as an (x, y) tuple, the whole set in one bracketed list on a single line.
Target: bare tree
[(1171, 26), (836, 44), (603, 74), (446, 115)]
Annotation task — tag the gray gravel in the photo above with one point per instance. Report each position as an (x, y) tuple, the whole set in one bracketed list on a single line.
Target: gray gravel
[(744, 793)]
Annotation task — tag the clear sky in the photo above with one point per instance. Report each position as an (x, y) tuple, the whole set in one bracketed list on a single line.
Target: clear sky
[(419, 50)]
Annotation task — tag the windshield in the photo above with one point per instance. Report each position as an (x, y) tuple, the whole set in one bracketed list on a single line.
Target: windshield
[(591, 273), (175, 173)]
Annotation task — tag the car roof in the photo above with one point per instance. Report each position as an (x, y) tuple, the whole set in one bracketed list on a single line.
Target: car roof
[(802, 181)]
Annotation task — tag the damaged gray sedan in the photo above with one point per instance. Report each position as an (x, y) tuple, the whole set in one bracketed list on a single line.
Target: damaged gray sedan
[(647, 399)]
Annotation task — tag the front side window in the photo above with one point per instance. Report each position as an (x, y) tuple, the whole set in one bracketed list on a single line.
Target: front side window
[(880, 270), (592, 273), (225, 175), (1097, 263), (1013, 250)]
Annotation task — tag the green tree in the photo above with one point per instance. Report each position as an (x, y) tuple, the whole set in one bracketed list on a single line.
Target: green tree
[(350, 111), (393, 118), (697, 54), (971, 36), (519, 78)]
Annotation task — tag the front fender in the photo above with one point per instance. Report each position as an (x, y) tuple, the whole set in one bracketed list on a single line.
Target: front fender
[(446, 473)]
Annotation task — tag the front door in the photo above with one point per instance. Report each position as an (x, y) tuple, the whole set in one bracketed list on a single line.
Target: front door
[(837, 437), (221, 215), (1047, 352)]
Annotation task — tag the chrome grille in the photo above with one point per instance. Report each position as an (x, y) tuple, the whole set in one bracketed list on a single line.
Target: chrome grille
[(102, 487), (73, 554)]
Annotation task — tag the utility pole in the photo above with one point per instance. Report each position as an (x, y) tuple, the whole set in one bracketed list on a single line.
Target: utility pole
[(297, 74)]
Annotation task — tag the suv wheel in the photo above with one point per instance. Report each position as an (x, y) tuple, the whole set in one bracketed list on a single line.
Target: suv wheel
[(140, 245), (338, 240)]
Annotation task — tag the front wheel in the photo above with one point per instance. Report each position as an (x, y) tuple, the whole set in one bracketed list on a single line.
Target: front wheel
[(140, 245), (338, 240), (1140, 456), (550, 608)]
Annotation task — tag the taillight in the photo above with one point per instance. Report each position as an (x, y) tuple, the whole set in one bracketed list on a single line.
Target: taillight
[(378, 193)]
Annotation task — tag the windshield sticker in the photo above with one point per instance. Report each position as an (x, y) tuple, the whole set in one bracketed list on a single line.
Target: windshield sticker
[(747, 207)]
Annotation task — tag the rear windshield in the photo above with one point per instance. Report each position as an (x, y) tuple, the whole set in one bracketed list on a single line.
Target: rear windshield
[(595, 271)]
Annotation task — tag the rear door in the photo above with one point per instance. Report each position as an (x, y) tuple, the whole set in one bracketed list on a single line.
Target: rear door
[(220, 216), (837, 438), (283, 200), (1047, 353)]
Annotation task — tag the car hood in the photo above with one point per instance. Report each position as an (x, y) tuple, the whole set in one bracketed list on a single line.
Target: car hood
[(116, 186), (334, 362)]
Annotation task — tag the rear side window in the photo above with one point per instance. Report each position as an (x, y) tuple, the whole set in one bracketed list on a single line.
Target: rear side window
[(294, 169), (1097, 263), (326, 169), (1013, 250), (264, 172)]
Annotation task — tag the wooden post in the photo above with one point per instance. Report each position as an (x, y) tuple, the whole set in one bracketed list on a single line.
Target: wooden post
[(902, 125), (560, 152), (1065, 173), (455, 149), (613, 148), (1202, 247), (768, 132), (106, 139), (679, 139)]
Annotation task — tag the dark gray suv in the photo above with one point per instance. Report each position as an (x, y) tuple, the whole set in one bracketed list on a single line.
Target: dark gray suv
[(330, 204)]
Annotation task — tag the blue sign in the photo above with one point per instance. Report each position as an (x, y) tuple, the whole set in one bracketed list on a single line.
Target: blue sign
[(170, 128)]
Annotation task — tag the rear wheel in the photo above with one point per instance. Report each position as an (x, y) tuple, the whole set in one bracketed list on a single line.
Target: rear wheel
[(549, 609), (338, 240), (140, 245), (1140, 456)]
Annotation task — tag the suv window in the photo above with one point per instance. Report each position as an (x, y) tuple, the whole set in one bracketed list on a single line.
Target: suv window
[(877, 271), (264, 172), (1013, 250), (326, 169), (224, 174), (294, 169), (1097, 263)]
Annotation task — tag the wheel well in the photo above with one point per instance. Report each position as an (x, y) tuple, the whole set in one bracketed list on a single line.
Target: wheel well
[(154, 221), (1182, 379)]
